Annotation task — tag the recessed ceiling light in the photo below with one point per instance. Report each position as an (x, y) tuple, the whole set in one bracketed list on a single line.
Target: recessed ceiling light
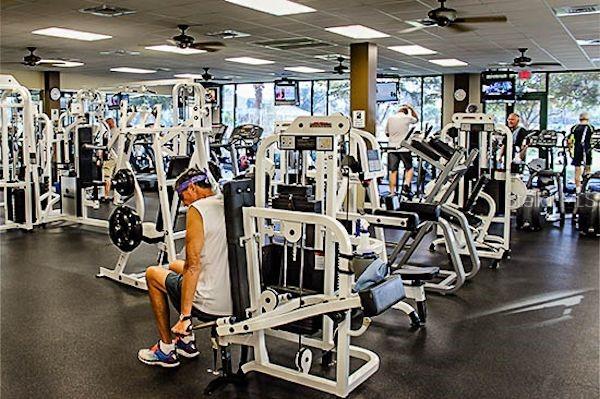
[(449, 62), (249, 61), (68, 64), (132, 70), (70, 34), (588, 42), (413, 50), (174, 49), (188, 76), (357, 32), (303, 69), (275, 7)]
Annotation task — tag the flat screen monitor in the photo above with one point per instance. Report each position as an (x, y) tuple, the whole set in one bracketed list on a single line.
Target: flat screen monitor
[(286, 93), (113, 101), (498, 89), (387, 91), (212, 95)]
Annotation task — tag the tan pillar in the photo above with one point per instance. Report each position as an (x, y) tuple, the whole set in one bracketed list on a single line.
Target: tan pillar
[(363, 79)]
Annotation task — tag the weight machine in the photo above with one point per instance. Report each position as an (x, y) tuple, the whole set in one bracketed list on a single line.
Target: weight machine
[(126, 227), (20, 178), (305, 229)]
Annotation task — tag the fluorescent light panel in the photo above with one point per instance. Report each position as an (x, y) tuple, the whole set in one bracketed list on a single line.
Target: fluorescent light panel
[(174, 49), (449, 62), (132, 70), (188, 76), (303, 69), (357, 32), (249, 61), (70, 34), (274, 7), (413, 50)]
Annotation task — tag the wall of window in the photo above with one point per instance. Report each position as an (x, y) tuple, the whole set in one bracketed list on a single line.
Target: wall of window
[(423, 93), (570, 94), (254, 102)]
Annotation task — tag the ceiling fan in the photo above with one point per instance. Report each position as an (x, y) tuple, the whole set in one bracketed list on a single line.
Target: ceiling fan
[(209, 77), (340, 69), (522, 61), (183, 40), (448, 17), (33, 60)]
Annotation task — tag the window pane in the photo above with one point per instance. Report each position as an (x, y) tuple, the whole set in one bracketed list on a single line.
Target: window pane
[(570, 94), (432, 102), (339, 97), (536, 83), (227, 101), (256, 105), (410, 93), (319, 97), (498, 110), (529, 111), (305, 100)]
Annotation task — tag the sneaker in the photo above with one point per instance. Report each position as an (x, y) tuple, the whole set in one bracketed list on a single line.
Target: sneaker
[(188, 350), (155, 357)]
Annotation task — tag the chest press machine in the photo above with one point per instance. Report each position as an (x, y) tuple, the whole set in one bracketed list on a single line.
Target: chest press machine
[(127, 228), (308, 234)]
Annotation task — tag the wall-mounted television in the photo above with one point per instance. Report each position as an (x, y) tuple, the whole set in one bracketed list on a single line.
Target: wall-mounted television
[(387, 91), (286, 92), (113, 101), (212, 96), (499, 86)]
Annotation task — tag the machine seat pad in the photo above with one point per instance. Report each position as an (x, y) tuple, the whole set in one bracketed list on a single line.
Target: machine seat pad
[(380, 297), (418, 273), (426, 212)]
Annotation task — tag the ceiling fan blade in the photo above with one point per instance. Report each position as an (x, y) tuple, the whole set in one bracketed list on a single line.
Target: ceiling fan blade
[(172, 42), (481, 19), (546, 64), (211, 44), (459, 28), (413, 29)]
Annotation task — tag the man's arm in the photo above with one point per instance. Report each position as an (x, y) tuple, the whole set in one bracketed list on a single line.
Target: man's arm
[(194, 242)]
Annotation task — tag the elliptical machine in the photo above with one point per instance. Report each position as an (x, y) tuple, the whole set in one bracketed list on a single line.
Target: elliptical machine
[(587, 208), (545, 202)]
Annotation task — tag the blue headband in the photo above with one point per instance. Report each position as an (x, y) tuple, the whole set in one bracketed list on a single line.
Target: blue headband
[(200, 178)]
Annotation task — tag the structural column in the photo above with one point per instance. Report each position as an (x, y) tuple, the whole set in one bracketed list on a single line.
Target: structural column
[(51, 81), (363, 81)]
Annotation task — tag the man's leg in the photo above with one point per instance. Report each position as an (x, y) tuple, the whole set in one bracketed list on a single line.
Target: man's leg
[(177, 266), (157, 291), (408, 176), (577, 178), (393, 179)]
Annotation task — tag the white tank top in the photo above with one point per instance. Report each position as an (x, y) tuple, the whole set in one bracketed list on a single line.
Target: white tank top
[(213, 292)]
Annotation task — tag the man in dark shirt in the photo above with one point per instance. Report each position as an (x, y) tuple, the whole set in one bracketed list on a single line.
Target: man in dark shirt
[(580, 141)]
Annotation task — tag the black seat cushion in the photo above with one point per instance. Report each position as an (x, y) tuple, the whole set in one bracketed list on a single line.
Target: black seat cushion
[(426, 212), (417, 273)]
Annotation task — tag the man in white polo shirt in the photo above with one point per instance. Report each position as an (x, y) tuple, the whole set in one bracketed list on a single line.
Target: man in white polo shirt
[(397, 129)]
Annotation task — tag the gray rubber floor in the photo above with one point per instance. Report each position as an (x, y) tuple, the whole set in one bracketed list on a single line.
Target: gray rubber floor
[(527, 330)]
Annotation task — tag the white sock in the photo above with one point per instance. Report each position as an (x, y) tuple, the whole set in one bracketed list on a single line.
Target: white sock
[(187, 338), (166, 348)]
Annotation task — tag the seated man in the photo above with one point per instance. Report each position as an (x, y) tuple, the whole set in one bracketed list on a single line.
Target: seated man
[(198, 286)]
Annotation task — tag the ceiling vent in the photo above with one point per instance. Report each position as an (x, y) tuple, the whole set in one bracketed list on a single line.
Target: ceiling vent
[(227, 34), (120, 52), (107, 11), (294, 43), (577, 10)]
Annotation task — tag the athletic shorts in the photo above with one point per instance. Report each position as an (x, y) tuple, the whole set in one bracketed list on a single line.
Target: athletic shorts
[(578, 157), (108, 168), (173, 284), (395, 157)]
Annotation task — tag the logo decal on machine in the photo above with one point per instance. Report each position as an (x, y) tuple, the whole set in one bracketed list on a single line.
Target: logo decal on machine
[(320, 124)]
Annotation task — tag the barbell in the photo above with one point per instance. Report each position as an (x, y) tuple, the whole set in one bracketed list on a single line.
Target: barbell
[(125, 228), (123, 182)]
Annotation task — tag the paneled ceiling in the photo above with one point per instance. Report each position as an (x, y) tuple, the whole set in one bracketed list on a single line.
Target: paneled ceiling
[(531, 23)]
